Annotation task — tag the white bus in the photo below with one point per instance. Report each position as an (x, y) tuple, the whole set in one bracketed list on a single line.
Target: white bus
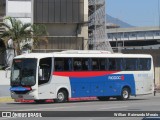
[(74, 74)]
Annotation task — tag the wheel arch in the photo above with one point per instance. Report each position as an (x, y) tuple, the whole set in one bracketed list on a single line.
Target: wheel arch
[(128, 87), (63, 89)]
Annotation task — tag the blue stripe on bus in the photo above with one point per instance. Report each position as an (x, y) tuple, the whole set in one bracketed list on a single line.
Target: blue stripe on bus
[(108, 85)]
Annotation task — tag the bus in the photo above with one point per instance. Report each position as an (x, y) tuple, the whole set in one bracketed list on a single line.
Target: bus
[(76, 73)]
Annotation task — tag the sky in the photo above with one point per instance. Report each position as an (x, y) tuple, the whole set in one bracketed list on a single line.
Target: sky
[(135, 12)]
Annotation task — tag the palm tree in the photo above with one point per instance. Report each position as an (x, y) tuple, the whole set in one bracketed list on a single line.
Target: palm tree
[(39, 33), (17, 30), (21, 31)]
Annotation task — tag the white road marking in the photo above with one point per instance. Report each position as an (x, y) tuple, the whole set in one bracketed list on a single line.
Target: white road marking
[(41, 109), (113, 107), (66, 107)]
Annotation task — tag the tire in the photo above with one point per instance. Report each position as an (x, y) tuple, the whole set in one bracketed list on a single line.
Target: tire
[(125, 94), (61, 96), (39, 101), (103, 98)]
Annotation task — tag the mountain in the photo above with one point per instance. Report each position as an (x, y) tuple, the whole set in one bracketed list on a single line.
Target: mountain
[(117, 21)]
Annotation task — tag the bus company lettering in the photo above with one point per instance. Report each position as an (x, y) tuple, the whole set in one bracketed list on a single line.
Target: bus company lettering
[(116, 77)]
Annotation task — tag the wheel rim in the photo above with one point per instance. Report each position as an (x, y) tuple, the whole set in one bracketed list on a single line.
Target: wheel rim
[(60, 96), (125, 94)]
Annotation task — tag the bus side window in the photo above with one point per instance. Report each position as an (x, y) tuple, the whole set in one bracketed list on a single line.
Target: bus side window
[(77, 64), (67, 64), (131, 64), (120, 64), (95, 64), (85, 64), (144, 64), (102, 63), (112, 64), (148, 64), (59, 64)]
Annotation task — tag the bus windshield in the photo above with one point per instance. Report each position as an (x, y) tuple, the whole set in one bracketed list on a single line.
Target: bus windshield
[(23, 72)]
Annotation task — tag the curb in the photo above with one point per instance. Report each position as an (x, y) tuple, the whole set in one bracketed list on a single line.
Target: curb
[(70, 99), (9, 99)]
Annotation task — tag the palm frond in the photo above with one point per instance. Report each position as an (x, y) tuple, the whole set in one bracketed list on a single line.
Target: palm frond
[(8, 27), (22, 31), (26, 26), (5, 34)]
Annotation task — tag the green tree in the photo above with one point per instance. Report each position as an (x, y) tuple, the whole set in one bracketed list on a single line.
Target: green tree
[(17, 30), (21, 31), (39, 34)]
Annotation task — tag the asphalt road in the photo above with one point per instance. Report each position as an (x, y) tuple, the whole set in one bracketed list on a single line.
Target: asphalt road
[(95, 108)]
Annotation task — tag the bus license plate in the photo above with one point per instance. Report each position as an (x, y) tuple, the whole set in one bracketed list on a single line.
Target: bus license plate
[(20, 96)]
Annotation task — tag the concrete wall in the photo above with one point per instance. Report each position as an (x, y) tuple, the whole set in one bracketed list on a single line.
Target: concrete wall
[(64, 20), (4, 84), (61, 43), (20, 9), (58, 11), (2, 8), (3, 79)]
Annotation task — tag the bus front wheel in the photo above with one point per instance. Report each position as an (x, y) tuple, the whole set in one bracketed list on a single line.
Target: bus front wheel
[(125, 94), (61, 96)]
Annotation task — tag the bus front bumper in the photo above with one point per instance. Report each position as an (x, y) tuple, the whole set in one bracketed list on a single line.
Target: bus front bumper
[(31, 95)]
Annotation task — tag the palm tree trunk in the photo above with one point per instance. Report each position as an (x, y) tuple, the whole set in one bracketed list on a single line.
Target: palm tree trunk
[(18, 47)]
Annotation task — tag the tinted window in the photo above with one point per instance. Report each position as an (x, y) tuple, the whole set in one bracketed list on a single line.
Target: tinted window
[(77, 64), (85, 64), (103, 63), (131, 64), (95, 64), (63, 64), (67, 64), (144, 64), (59, 64), (111, 64)]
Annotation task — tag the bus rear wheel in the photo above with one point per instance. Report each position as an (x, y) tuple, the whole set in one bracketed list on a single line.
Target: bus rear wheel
[(125, 94), (61, 96), (103, 98)]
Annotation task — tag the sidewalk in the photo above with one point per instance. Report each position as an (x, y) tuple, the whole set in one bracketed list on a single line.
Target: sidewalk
[(6, 99)]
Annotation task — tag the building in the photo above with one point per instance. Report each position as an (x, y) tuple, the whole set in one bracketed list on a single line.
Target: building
[(138, 40), (66, 23), (135, 37), (20, 9), (2, 8), (65, 20), (2, 13), (2, 45)]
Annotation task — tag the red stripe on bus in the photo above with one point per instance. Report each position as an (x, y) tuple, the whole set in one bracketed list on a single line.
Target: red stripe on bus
[(84, 73)]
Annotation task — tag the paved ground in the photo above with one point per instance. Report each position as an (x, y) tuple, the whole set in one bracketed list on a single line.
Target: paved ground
[(139, 103), (4, 90)]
